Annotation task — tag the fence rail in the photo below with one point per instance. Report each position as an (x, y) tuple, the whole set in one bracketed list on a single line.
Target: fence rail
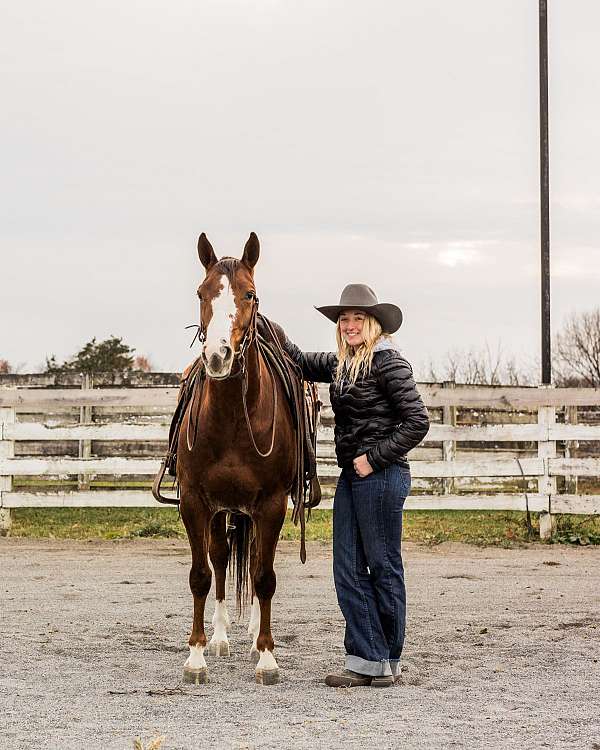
[(434, 395), (33, 410)]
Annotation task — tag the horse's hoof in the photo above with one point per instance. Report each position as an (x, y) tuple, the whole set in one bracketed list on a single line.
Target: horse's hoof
[(218, 648), (267, 676), (195, 676), (254, 656)]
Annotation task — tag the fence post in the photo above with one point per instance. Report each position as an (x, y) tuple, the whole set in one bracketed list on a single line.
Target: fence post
[(449, 446), (85, 446), (7, 450), (546, 483), (570, 446)]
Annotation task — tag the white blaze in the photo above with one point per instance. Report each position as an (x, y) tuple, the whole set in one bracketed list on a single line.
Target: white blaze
[(221, 323)]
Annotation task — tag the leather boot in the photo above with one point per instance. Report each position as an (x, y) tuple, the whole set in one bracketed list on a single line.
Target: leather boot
[(380, 682), (347, 678)]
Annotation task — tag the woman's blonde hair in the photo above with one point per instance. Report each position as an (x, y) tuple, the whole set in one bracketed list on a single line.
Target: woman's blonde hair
[(354, 362)]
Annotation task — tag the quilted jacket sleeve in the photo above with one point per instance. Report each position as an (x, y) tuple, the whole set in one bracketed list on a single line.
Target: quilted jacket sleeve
[(319, 367), (395, 378)]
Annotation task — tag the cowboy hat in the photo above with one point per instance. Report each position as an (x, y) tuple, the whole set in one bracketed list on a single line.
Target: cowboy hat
[(362, 297)]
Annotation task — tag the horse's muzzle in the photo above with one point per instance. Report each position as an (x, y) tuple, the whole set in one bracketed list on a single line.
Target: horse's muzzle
[(218, 363)]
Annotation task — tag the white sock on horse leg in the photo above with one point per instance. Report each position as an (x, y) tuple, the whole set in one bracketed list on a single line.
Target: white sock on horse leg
[(266, 661), (196, 658), (220, 623), (254, 623)]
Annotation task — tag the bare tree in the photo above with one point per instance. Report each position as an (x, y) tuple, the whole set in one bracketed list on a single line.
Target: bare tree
[(142, 363), (576, 359), (577, 350), (479, 367), (5, 367)]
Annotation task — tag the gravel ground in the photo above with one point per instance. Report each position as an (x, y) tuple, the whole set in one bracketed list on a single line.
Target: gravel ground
[(502, 651)]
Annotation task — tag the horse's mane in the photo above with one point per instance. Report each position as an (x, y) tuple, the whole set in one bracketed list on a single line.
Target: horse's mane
[(279, 332)]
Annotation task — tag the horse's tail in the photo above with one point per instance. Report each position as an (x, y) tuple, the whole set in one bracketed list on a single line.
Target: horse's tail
[(240, 538)]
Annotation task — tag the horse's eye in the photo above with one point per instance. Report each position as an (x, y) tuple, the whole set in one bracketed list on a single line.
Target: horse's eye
[(249, 295), (199, 296)]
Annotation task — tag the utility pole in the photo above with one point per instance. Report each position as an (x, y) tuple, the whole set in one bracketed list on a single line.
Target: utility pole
[(544, 193)]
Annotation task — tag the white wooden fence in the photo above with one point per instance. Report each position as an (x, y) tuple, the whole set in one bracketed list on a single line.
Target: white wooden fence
[(444, 462)]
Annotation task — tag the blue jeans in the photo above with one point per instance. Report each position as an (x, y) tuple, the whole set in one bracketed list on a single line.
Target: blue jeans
[(367, 567)]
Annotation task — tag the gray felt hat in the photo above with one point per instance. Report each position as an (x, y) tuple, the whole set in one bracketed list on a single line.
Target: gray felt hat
[(362, 297)]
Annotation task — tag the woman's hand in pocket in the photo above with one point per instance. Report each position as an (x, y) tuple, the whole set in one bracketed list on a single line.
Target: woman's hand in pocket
[(361, 466)]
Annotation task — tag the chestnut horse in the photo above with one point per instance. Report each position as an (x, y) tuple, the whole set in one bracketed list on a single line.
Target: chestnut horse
[(236, 454)]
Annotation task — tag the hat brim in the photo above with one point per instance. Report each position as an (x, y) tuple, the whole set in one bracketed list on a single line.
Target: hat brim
[(388, 315)]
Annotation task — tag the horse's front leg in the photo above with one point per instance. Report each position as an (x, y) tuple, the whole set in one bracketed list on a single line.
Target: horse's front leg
[(268, 525), (196, 519), (219, 553)]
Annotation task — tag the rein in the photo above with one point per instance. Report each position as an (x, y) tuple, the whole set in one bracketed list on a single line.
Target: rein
[(246, 341)]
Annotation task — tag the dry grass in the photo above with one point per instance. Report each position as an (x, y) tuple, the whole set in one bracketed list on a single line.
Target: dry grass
[(154, 744), (498, 528)]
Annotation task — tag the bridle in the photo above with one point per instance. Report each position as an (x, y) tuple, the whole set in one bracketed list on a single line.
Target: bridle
[(248, 338)]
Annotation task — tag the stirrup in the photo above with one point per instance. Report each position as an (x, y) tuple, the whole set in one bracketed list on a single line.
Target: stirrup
[(156, 486)]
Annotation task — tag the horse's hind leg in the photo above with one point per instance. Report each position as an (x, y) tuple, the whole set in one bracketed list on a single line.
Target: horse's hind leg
[(268, 525), (219, 554), (196, 520), (254, 622)]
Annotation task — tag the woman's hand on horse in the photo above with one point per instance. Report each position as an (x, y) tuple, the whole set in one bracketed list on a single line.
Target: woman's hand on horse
[(361, 466)]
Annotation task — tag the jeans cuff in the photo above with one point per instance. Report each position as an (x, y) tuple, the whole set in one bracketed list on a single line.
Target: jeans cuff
[(370, 668), (395, 666)]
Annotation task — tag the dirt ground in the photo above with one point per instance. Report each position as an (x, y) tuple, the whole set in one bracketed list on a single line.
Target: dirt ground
[(502, 651)]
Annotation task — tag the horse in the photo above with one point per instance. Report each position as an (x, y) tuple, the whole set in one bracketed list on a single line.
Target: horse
[(236, 455)]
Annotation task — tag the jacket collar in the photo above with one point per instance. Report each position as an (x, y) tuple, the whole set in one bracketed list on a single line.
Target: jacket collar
[(385, 343)]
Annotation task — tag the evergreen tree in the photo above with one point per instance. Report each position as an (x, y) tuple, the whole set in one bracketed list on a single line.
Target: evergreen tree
[(111, 355)]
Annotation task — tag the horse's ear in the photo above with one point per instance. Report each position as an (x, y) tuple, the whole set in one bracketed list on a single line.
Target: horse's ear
[(251, 251), (205, 252)]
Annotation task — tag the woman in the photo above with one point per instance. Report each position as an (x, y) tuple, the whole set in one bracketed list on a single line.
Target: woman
[(379, 417)]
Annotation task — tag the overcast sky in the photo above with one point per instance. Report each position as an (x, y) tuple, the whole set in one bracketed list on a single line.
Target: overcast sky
[(393, 143)]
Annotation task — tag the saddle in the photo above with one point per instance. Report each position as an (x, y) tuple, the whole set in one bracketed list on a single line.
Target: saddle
[(303, 400)]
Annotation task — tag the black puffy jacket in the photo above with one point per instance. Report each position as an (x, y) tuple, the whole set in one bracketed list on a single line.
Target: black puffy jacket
[(381, 415)]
